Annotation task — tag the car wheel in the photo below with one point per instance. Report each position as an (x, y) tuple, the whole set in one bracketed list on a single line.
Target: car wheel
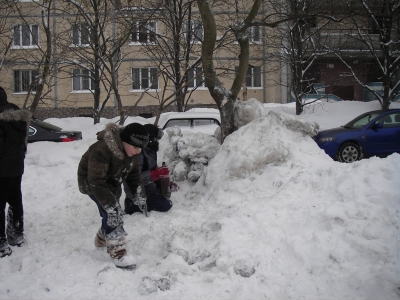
[(349, 152)]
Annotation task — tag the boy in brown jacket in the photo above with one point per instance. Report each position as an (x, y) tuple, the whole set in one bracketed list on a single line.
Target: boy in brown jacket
[(102, 169)]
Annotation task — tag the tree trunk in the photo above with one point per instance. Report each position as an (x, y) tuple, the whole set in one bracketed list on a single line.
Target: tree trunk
[(224, 99)]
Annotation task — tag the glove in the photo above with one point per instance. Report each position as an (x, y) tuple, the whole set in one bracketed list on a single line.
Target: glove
[(130, 207), (159, 173), (140, 201)]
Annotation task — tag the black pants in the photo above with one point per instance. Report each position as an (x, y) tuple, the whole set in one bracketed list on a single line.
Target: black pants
[(10, 192)]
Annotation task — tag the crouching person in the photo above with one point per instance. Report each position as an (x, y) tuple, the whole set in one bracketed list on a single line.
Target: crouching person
[(114, 158), (155, 179)]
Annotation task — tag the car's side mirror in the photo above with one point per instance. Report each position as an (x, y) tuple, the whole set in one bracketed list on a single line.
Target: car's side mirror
[(377, 126)]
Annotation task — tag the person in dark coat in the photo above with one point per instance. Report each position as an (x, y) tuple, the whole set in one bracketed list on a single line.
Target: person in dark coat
[(114, 158), (155, 179), (14, 124)]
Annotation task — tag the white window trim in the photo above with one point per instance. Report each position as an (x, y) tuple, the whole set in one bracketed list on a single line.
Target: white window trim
[(194, 40), (22, 92), (81, 91), (253, 79), (80, 45), (132, 43), (27, 46), (251, 38), (198, 87), (141, 89)]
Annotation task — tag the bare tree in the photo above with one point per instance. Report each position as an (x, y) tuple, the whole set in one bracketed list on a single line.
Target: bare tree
[(41, 58), (297, 39), (5, 43), (89, 22), (174, 46), (225, 98), (376, 27)]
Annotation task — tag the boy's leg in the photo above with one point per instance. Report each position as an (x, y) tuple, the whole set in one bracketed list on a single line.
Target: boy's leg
[(114, 240), (158, 203), (4, 192), (15, 214)]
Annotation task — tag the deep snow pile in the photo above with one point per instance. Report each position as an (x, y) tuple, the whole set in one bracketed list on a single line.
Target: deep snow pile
[(272, 217), (186, 156)]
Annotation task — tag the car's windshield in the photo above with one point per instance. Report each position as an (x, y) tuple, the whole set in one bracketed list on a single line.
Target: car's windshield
[(362, 120), (46, 125)]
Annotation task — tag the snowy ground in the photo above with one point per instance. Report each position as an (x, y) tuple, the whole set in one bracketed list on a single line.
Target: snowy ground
[(272, 206)]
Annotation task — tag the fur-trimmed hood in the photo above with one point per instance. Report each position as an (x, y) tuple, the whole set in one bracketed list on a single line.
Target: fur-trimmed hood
[(112, 137), (16, 115)]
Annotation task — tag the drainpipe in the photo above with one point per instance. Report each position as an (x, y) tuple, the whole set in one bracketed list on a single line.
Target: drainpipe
[(264, 63), (55, 75)]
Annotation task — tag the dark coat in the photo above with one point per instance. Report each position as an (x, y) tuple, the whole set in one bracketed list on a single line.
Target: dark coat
[(148, 159), (14, 124), (105, 166)]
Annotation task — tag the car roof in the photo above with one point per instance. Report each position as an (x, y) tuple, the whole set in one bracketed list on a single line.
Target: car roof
[(165, 117)]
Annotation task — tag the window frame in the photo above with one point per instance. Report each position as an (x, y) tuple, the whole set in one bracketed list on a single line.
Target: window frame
[(18, 81), (144, 32), (82, 77), (254, 31), (144, 77), (195, 26), (253, 76), (33, 40), (76, 35), (193, 74)]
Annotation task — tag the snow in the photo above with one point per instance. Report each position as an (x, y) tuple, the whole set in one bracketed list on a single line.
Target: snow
[(272, 217)]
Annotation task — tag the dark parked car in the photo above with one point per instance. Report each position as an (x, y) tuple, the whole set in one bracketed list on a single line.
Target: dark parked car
[(43, 131), (375, 133)]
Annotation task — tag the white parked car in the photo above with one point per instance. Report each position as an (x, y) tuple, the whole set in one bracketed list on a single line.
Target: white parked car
[(204, 120)]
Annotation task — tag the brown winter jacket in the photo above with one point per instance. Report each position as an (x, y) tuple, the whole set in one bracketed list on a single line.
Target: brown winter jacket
[(105, 165)]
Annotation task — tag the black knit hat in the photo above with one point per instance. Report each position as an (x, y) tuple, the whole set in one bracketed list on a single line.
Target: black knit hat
[(135, 134), (3, 96), (153, 130)]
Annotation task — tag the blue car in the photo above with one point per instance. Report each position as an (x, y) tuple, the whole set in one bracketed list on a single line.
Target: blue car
[(375, 133)]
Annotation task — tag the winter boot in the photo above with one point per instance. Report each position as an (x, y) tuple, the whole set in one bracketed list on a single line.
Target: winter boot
[(4, 248), (15, 230), (117, 251), (100, 240)]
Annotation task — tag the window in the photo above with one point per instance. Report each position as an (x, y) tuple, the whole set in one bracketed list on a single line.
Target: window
[(391, 120), (25, 80), (189, 122), (144, 32), (253, 76), (144, 78), (195, 29), (80, 34), (196, 77), (254, 34), (26, 35), (82, 80)]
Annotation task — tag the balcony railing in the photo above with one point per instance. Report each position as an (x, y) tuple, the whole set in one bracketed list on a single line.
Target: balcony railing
[(346, 41)]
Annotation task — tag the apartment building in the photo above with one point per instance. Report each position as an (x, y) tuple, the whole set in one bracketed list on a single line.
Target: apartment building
[(82, 63), (75, 61)]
